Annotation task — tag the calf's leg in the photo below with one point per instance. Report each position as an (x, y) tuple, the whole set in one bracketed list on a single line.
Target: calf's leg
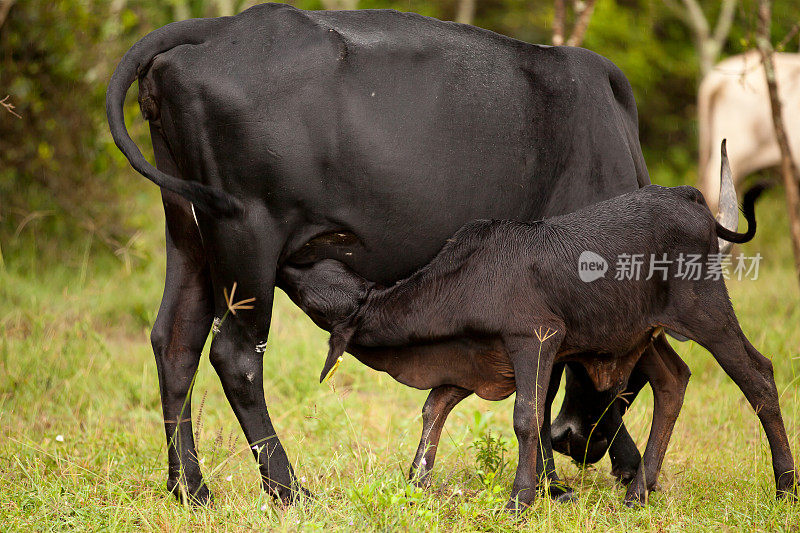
[(440, 402), (668, 376), (532, 359), (717, 330)]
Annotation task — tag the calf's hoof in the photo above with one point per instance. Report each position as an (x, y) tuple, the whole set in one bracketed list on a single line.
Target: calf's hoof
[(420, 478), (634, 503), (635, 497), (787, 487), (517, 506)]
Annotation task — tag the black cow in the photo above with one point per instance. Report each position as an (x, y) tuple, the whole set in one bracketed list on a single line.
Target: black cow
[(501, 307), (363, 136)]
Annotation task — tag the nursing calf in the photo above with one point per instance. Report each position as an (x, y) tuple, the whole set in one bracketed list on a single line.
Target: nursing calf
[(501, 308)]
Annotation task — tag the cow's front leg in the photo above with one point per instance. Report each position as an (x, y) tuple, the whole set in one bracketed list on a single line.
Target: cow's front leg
[(237, 354), (532, 358), (440, 402), (545, 462)]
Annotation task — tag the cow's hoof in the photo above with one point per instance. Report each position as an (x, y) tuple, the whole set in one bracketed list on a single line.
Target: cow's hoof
[(302, 493), (297, 495), (563, 494), (624, 474), (197, 497)]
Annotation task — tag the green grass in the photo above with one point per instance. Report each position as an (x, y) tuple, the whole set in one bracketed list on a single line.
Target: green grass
[(75, 361)]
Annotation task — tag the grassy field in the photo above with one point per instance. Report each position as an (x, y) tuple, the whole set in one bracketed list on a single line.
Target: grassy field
[(82, 446)]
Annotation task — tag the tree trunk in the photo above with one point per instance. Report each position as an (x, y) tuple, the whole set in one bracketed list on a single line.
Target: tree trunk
[(5, 7), (559, 21), (466, 11), (583, 13), (708, 42), (335, 5), (789, 172)]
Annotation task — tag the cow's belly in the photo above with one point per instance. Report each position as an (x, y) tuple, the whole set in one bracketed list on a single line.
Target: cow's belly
[(480, 366)]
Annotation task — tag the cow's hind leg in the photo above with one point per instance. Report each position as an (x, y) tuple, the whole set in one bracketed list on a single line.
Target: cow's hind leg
[(668, 376), (716, 328), (237, 354), (440, 402), (178, 335)]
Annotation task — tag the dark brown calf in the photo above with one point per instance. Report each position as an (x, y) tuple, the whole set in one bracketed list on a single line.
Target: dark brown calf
[(501, 308)]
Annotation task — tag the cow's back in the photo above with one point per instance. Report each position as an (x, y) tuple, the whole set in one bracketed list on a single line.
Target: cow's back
[(396, 127)]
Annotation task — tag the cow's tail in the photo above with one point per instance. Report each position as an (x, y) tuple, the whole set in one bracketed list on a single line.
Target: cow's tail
[(134, 63), (728, 209)]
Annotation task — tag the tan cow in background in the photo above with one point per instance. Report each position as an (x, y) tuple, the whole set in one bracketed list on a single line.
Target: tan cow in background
[(733, 102)]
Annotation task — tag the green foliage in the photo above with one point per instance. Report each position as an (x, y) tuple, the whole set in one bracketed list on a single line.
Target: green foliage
[(490, 458)]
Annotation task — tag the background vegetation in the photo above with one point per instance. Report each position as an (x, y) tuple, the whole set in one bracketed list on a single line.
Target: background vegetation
[(81, 271)]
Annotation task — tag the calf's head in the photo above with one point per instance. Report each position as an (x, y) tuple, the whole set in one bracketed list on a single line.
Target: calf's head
[(327, 291), (330, 293)]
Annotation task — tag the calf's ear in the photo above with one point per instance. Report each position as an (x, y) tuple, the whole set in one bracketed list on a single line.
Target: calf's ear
[(340, 337)]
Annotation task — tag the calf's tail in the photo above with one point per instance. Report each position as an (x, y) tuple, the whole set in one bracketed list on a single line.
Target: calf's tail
[(728, 216), (134, 63)]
